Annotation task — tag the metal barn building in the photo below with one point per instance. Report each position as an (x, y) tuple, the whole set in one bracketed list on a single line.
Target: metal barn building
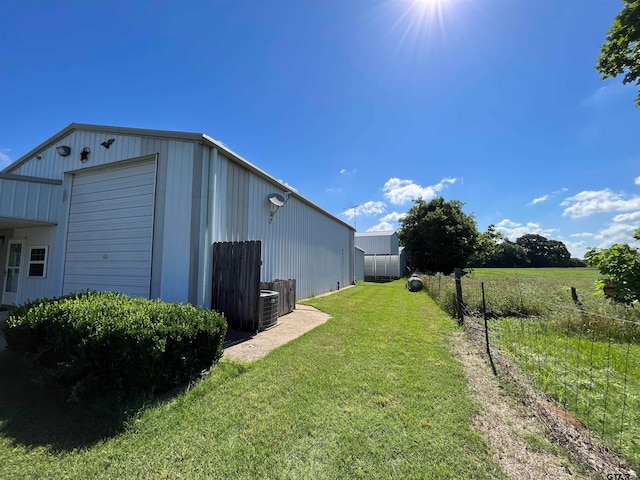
[(384, 259), (138, 211)]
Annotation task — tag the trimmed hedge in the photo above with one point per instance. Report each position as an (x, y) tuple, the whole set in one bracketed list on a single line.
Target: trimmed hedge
[(100, 343)]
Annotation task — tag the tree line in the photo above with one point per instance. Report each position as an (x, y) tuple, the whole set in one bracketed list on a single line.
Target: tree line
[(438, 237)]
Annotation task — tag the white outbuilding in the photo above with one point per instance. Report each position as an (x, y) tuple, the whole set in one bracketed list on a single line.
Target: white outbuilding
[(384, 259), (139, 211)]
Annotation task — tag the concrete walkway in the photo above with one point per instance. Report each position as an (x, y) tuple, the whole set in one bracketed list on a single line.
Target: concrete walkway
[(246, 347)]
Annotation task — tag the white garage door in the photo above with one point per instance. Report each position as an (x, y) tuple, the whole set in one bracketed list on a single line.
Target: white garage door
[(110, 230)]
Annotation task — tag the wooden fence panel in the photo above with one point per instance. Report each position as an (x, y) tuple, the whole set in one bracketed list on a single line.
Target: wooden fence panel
[(287, 291), (236, 283)]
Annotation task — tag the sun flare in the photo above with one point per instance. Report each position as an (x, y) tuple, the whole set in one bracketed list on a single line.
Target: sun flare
[(418, 21)]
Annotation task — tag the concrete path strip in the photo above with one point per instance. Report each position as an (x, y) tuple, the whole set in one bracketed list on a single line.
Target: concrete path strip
[(289, 327)]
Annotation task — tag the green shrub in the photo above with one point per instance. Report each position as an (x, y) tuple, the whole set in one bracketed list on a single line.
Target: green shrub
[(98, 343)]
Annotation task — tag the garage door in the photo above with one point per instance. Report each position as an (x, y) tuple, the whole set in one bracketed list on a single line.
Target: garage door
[(110, 230)]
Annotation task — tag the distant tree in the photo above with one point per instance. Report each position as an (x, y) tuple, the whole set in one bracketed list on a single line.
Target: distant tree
[(487, 247), (438, 236), (509, 255), (620, 53), (543, 252)]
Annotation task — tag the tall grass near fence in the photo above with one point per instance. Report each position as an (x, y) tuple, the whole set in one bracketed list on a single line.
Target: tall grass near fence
[(584, 352)]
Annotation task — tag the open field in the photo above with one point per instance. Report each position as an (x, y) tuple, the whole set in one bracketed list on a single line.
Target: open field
[(372, 393), (570, 275)]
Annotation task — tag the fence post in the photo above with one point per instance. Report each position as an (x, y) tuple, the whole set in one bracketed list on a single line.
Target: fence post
[(576, 300), (486, 330), (459, 309)]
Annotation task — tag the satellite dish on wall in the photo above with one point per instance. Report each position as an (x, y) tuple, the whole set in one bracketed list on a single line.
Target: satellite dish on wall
[(277, 199)]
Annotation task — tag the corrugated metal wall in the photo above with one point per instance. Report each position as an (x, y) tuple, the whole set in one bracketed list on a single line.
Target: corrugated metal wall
[(377, 243), (29, 200), (51, 165), (301, 242), (359, 262), (382, 266)]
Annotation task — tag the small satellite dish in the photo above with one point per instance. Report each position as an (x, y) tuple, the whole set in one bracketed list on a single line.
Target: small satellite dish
[(277, 199)]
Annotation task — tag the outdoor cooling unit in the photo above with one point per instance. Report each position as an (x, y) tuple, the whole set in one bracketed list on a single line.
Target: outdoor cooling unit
[(268, 309)]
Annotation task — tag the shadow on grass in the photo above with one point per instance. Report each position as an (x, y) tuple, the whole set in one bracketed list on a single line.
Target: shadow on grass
[(34, 415)]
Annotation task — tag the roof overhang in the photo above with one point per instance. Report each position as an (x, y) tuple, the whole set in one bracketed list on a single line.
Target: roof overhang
[(28, 201)]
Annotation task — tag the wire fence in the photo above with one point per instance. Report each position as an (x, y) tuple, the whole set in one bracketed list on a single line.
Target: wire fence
[(581, 351)]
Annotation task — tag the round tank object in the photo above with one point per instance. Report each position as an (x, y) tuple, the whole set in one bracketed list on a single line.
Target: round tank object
[(414, 283)]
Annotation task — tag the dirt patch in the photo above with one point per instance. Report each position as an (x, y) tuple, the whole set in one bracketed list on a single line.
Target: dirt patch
[(530, 436), (247, 348)]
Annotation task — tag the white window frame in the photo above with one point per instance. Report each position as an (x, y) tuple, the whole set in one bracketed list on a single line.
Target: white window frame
[(38, 262)]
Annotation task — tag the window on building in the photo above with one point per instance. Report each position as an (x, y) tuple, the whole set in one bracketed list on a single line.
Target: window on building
[(38, 262)]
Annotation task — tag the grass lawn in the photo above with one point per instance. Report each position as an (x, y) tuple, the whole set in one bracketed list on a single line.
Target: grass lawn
[(373, 393)]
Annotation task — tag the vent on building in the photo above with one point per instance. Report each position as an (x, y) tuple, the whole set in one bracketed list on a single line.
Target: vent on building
[(268, 309)]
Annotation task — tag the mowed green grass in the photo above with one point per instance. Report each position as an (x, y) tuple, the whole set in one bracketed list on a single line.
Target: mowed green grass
[(373, 393)]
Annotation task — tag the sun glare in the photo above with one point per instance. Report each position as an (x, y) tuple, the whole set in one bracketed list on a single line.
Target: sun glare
[(419, 18)]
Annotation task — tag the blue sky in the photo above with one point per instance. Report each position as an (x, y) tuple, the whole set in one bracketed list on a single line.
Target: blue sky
[(353, 103)]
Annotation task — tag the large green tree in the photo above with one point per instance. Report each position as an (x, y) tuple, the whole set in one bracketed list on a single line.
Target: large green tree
[(509, 255), (620, 53), (543, 252), (438, 236)]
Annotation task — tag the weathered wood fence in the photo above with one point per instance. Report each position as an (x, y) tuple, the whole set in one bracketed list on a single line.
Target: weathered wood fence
[(287, 291), (236, 283)]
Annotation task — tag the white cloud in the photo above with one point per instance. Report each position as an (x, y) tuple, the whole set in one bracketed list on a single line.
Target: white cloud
[(368, 208), (615, 233), (388, 222), (333, 190), (382, 227), (514, 230), (637, 181), (393, 217), (627, 217), (605, 94), (539, 200), (399, 191), (344, 171), (583, 234), (577, 249), (4, 158), (546, 197), (590, 202)]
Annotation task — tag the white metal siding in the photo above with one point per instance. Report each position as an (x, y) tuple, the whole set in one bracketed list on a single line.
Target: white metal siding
[(375, 243), (110, 230), (301, 242), (176, 234), (382, 266), (359, 263), (29, 200), (34, 288), (52, 165)]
